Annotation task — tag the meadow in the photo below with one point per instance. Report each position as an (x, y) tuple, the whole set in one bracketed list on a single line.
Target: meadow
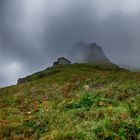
[(72, 102)]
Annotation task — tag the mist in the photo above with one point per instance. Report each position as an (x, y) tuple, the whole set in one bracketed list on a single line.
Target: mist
[(33, 33)]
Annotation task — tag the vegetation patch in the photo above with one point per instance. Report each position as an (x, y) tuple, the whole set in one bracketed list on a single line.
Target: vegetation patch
[(85, 100), (76, 102)]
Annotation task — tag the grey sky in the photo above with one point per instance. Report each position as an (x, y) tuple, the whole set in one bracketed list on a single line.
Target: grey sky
[(33, 33)]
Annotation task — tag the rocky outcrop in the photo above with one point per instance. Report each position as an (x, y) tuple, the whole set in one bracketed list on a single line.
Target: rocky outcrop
[(95, 54), (21, 80), (37, 76), (90, 53)]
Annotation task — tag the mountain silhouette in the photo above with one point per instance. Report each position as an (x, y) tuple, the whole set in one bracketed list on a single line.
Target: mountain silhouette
[(90, 53)]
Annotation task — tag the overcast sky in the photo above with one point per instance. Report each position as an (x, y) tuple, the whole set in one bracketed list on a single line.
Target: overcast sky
[(33, 33)]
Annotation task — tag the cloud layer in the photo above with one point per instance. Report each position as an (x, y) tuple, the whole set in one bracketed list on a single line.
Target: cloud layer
[(33, 33)]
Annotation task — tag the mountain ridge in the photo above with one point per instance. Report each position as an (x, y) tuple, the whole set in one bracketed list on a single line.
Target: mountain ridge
[(78, 101), (90, 53)]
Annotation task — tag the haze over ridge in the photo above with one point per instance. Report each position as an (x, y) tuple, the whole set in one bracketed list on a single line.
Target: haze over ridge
[(33, 33)]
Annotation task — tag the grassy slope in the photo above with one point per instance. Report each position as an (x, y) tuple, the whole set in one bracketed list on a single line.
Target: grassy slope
[(75, 102)]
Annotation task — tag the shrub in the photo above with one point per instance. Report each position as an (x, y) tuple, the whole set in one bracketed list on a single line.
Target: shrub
[(86, 100), (7, 131), (38, 126), (11, 101), (99, 132)]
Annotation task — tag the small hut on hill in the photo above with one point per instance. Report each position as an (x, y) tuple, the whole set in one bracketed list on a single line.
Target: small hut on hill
[(61, 61)]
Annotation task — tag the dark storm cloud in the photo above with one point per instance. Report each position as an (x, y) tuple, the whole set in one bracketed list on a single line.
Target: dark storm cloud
[(33, 33), (65, 30)]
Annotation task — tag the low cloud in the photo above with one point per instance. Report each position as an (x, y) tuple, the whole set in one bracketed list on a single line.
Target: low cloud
[(34, 33)]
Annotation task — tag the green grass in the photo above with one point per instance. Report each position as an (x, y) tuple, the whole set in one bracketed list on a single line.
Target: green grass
[(77, 102)]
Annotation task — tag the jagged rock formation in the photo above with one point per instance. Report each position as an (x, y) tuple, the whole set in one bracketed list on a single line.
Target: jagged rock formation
[(90, 53), (21, 80)]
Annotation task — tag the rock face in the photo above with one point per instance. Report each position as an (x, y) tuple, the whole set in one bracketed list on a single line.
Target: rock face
[(21, 81), (95, 54), (90, 53)]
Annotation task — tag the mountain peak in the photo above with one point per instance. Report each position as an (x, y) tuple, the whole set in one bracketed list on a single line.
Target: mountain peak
[(90, 53), (93, 44)]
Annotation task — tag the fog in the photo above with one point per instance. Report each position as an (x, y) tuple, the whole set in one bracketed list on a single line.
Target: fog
[(33, 33)]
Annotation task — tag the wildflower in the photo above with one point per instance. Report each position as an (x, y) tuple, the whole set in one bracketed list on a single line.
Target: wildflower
[(86, 87), (110, 107), (28, 113)]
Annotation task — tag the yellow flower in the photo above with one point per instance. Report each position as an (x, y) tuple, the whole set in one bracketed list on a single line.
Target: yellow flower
[(101, 103), (110, 107), (86, 87), (29, 113), (44, 103)]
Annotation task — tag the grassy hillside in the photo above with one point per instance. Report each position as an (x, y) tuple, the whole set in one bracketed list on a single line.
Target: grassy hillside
[(74, 102)]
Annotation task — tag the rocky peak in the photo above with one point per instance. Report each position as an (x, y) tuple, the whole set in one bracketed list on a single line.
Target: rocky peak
[(89, 53)]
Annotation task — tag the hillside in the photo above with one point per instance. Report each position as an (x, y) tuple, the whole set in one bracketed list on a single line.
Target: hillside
[(74, 102)]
